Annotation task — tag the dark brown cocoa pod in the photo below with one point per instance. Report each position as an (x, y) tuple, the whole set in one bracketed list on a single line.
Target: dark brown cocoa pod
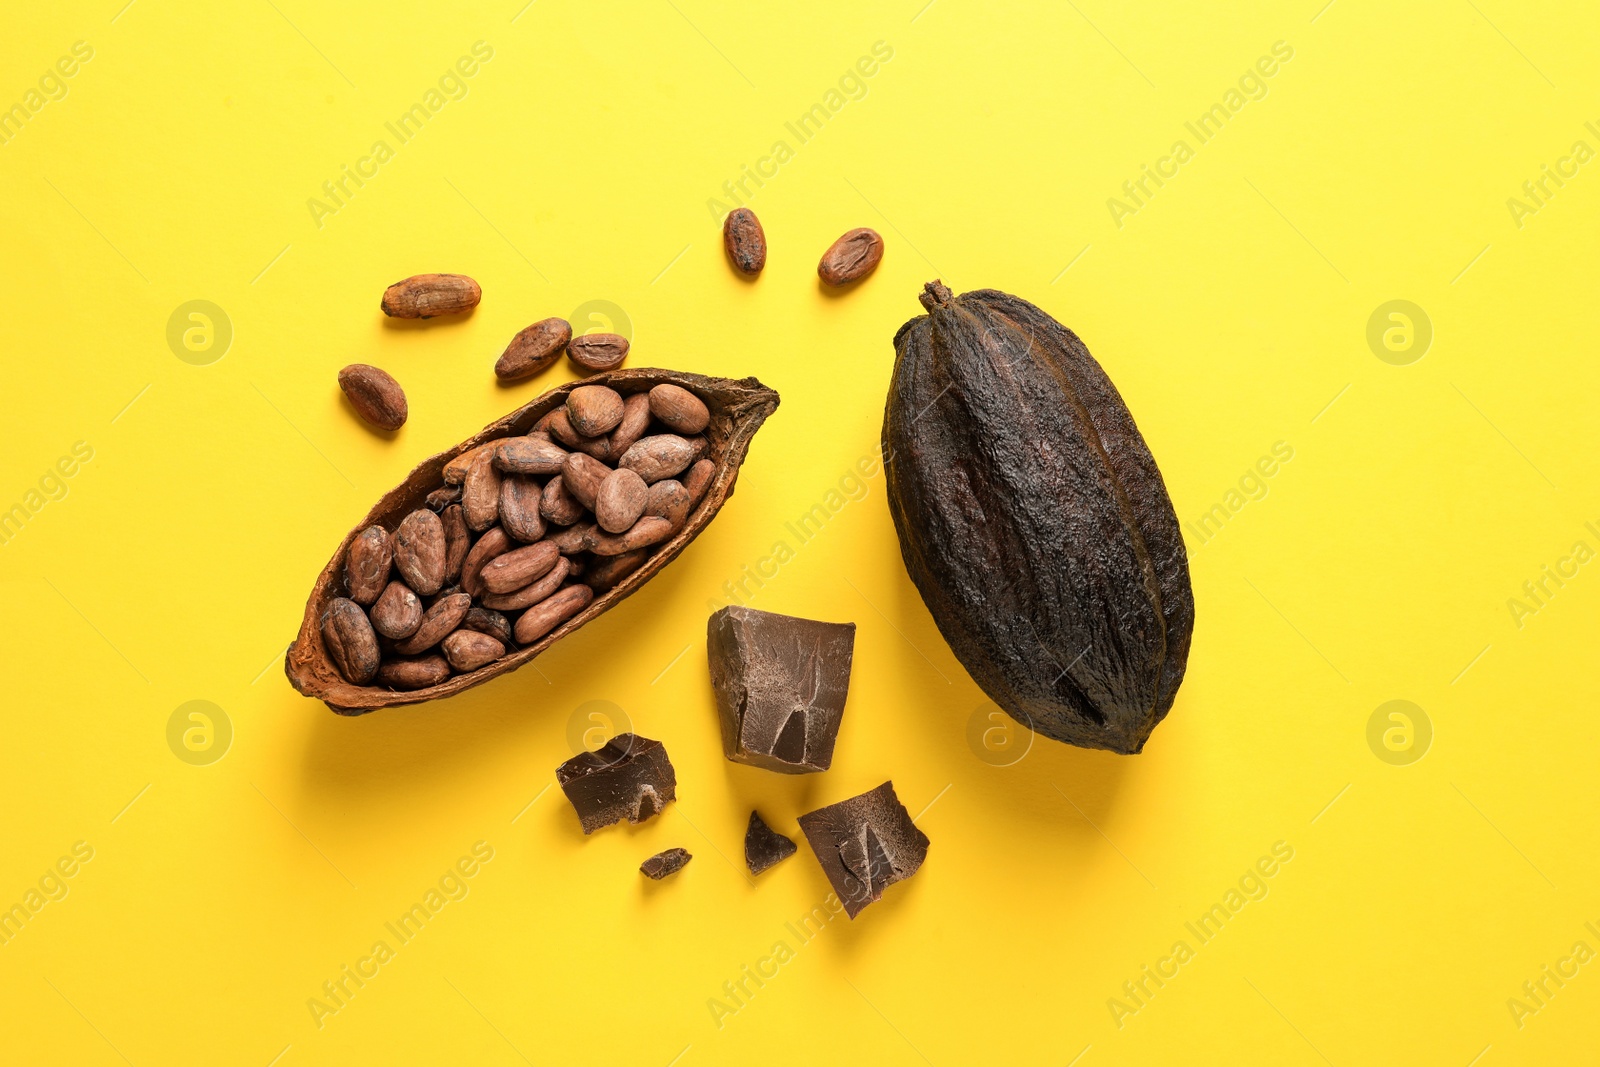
[(851, 258), (744, 241), (519, 507), (422, 296), (443, 617), (533, 349), (350, 641), (418, 673), (457, 541), (488, 621), (419, 551), (1034, 522), (398, 612), (366, 569), (738, 409), (375, 395), (598, 351)]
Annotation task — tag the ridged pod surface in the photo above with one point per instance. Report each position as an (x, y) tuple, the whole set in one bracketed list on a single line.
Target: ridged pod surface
[(1033, 520)]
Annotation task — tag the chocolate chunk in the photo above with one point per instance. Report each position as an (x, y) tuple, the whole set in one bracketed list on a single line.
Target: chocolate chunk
[(864, 844), (764, 847), (781, 684), (629, 777), (662, 864)]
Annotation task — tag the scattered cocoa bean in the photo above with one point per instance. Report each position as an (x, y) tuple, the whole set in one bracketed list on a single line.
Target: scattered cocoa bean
[(598, 351), (744, 241), (398, 612), (444, 616), (851, 257), (419, 551), (681, 410), (366, 566), (533, 349), (467, 650), (620, 500), (540, 619), (594, 409), (480, 493), (349, 639), (375, 395), (422, 296)]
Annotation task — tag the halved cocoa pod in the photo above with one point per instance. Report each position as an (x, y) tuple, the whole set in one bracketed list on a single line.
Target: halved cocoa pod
[(738, 409)]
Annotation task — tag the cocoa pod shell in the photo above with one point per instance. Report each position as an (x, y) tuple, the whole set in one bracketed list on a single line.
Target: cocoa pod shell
[(851, 258), (1034, 521), (598, 351), (375, 395), (738, 409), (745, 241), (533, 349), (422, 296)]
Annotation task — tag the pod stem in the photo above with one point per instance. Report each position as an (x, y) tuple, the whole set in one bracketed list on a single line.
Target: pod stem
[(936, 293)]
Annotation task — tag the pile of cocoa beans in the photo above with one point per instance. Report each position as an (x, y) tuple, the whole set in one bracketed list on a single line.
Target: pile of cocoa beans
[(522, 535)]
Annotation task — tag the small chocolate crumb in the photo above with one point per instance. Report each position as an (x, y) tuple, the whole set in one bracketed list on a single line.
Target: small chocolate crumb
[(629, 777), (764, 847), (662, 864)]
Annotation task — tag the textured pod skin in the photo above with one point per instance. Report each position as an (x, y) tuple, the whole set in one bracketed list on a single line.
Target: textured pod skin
[(1034, 522)]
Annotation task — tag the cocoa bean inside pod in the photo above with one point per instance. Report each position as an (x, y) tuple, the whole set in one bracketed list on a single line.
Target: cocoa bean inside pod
[(698, 480), (551, 606), (1034, 521), (668, 499), (529, 455), (457, 540), (679, 409), (594, 409), (533, 349), (584, 475), (467, 650), (661, 456), (366, 569), (598, 351), (620, 501), (422, 296), (518, 567), (520, 497), (480, 493), (398, 612), (419, 551)]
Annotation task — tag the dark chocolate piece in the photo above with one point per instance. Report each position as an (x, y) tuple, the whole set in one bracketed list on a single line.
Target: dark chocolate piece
[(629, 777), (781, 684), (864, 844), (662, 864), (764, 847)]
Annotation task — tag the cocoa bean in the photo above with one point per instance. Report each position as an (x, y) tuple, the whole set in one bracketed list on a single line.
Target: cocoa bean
[(598, 351), (418, 673), (494, 542), (419, 551), (698, 480), (444, 616), (647, 531), (467, 650), (559, 426), (744, 241), (583, 475), (366, 567), (594, 409), (440, 499), (455, 471), (480, 493), (635, 421), (398, 612), (540, 619), (558, 506), (533, 592), (661, 456), (457, 540), (422, 296), (517, 568), (534, 454), (851, 257), (375, 395), (533, 349), (519, 507), (669, 500), (610, 570), (620, 500), (573, 539), (491, 622), (680, 410), (348, 637)]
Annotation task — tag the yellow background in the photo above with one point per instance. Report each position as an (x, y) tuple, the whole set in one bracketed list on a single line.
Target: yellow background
[(1231, 310)]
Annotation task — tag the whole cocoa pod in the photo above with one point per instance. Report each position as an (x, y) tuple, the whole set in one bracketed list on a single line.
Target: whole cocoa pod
[(422, 296), (375, 395), (1033, 520)]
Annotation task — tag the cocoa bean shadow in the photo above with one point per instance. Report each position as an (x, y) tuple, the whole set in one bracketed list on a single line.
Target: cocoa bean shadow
[(836, 292), (376, 431), (438, 321)]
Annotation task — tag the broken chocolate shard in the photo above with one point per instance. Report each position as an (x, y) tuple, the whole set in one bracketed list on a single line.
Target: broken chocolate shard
[(865, 844), (781, 684), (764, 847), (662, 864), (629, 777)]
